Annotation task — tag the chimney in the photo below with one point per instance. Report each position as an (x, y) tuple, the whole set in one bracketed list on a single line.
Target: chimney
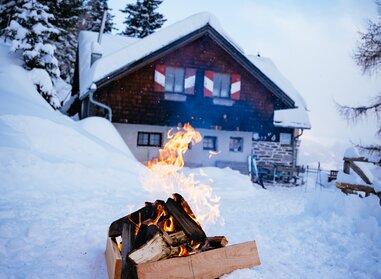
[(96, 49)]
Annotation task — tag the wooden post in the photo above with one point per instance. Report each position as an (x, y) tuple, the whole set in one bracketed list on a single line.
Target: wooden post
[(346, 168)]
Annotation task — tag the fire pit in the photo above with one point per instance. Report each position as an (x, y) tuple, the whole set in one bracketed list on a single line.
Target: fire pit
[(165, 240)]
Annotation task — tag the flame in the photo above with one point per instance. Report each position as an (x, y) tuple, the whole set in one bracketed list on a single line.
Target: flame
[(183, 251), (169, 225), (175, 148), (166, 177)]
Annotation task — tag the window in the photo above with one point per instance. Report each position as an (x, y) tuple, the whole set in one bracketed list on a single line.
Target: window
[(285, 138), (149, 139), (221, 85), (210, 143), (174, 80), (236, 144)]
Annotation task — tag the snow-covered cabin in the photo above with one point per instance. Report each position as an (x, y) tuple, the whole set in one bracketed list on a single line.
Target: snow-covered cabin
[(191, 71)]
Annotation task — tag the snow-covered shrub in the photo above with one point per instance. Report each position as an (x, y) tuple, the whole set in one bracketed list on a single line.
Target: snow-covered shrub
[(29, 32), (45, 86)]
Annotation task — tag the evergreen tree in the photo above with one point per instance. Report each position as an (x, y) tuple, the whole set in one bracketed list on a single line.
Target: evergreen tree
[(94, 15), (368, 57), (7, 10), (141, 19), (67, 16), (30, 33)]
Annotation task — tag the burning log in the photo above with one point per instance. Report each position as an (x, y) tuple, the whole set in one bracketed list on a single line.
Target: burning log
[(192, 229), (157, 237)]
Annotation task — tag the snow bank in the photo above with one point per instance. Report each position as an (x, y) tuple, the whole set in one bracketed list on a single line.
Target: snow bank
[(104, 130)]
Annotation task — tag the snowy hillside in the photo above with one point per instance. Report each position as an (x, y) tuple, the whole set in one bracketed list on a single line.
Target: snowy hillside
[(62, 183)]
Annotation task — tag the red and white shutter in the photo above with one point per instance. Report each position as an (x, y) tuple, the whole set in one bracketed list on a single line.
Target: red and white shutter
[(235, 89), (189, 81), (159, 84), (208, 83)]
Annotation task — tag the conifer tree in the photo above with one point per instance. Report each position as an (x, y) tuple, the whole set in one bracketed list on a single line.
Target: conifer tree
[(67, 17), (7, 10), (94, 15), (142, 19), (29, 33)]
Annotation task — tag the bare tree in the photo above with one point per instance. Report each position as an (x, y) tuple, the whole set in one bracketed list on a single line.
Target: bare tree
[(368, 57)]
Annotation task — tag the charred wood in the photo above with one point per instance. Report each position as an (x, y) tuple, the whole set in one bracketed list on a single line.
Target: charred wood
[(184, 221)]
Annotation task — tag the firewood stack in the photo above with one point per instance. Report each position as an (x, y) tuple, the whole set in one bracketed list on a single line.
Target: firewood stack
[(169, 230)]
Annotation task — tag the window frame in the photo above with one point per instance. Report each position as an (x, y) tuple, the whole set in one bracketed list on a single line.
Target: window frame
[(174, 78), (218, 83), (214, 141), (149, 139), (241, 141)]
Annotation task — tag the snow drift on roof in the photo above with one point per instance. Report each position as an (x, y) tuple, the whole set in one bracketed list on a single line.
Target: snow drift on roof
[(87, 42), (112, 61), (293, 118)]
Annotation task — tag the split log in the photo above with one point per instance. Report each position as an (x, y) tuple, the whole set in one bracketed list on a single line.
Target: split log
[(185, 222), (155, 249), (177, 238), (210, 264), (217, 241)]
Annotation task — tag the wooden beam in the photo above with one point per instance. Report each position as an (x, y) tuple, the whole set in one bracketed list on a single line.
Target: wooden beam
[(360, 172), (362, 159), (209, 264), (347, 167), (355, 187)]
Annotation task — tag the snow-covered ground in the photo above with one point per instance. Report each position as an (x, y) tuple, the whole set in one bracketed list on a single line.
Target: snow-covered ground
[(63, 182)]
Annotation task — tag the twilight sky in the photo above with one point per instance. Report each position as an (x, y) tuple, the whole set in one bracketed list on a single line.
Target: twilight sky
[(312, 44)]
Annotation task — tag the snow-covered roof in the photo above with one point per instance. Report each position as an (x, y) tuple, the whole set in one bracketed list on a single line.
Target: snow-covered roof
[(119, 52), (87, 42), (293, 118), (131, 50)]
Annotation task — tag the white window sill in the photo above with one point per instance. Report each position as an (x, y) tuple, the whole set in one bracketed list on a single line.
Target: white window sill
[(223, 102), (175, 97)]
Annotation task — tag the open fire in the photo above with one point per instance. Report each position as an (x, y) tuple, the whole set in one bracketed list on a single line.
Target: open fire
[(169, 229)]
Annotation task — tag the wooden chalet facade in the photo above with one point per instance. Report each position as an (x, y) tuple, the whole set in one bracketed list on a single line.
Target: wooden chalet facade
[(202, 78)]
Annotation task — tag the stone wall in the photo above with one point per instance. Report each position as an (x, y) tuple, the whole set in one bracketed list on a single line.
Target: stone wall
[(270, 153)]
